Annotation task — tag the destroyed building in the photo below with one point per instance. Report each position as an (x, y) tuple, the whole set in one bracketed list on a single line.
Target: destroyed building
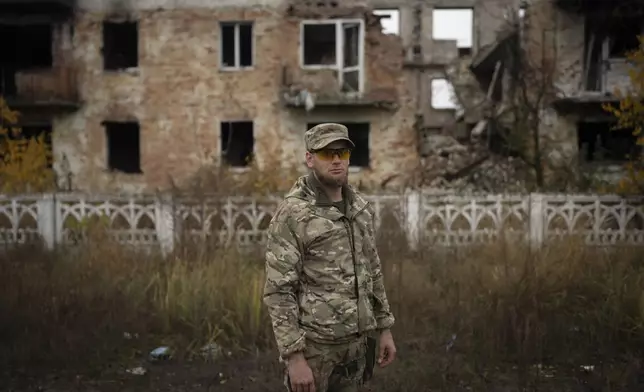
[(135, 95), (572, 61)]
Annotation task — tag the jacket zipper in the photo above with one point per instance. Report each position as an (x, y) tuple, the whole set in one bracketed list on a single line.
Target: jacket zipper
[(349, 227)]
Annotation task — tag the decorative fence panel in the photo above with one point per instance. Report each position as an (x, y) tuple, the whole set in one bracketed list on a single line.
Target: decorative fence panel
[(440, 221)]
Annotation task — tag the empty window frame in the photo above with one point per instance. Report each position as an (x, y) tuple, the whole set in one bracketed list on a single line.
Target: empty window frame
[(442, 94), (389, 20), (335, 44), (27, 46), (237, 142), (123, 146), (622, 36), (454, 24), (236, 45), (359, 134), (120, 45), (597, 142)]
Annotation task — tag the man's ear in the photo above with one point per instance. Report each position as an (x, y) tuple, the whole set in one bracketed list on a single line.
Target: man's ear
[(309, 160)]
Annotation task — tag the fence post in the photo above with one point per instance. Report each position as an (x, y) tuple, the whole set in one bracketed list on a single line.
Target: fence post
[(47, 219), (164, 223), (536, 222), (412, 218)]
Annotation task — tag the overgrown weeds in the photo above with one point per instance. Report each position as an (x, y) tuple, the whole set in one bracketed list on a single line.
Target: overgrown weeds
[(81, 304), (500, 307)]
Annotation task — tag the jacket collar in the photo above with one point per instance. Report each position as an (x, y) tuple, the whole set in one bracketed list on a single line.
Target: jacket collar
[(354, 202)]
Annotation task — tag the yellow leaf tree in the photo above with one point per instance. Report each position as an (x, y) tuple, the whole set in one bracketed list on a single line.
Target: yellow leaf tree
[(24, 162), (630, 115)]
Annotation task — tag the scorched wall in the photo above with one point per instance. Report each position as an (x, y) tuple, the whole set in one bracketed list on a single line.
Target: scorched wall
[(179, 94)]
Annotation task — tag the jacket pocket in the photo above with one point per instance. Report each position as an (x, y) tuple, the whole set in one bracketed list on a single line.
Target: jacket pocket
[(331, 314)]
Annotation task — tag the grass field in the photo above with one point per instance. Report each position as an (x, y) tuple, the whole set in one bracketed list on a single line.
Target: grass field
[(493, 317)]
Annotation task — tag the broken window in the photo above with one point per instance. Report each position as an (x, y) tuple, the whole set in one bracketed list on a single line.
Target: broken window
[(454, 24), (443, 96), (120, 45), (623, 36), (598, 141), (24, 47), (593, 62), (28, 46), (123, 146), (237, 142), (236, 44), (359, 134), (350, 73), (608, 41), (336, 45), (389, 20), (319, 44)]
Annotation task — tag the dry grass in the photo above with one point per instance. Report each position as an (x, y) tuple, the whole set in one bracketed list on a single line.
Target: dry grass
[(476, 313)]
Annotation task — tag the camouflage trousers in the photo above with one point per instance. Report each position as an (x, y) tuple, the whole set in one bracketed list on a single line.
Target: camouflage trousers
[(335, 367)]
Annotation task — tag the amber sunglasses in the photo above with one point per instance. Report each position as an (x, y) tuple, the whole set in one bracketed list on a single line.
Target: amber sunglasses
[(327, 154)]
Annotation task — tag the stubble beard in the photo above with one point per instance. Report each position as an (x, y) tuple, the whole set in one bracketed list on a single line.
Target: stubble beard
[(332, 182)]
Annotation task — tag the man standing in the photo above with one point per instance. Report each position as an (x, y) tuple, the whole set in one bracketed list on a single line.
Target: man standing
[(324, 286)]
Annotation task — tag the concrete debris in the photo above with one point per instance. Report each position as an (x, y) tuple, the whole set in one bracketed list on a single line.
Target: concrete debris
[(470, 168), (479, 128), (467, 90), (442, 144), (137, 371)]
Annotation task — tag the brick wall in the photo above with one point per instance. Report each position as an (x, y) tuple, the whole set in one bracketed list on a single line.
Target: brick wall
[(179, 95)]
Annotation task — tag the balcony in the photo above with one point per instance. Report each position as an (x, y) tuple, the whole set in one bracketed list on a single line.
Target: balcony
[(598, 88), (54, 89), (322, 88)]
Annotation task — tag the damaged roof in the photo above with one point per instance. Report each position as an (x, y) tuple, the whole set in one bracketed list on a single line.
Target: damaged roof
[(500, 49), (327, 8)]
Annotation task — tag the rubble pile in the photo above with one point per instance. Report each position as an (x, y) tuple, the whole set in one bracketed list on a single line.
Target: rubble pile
[(470, 168)]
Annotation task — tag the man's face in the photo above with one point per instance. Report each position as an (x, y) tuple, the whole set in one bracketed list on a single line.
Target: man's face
[(331, 164)]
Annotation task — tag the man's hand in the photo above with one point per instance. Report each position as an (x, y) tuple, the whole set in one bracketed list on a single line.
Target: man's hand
[(387, 349), (300, 374)]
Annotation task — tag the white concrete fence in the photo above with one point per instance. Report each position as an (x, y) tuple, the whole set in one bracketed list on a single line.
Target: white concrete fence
[(435, 220)]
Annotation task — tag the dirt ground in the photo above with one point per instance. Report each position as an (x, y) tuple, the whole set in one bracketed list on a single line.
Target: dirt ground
[(415, 370), (256, 374)]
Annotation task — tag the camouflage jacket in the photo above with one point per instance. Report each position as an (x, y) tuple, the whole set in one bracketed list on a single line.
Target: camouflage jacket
[(313, 257)]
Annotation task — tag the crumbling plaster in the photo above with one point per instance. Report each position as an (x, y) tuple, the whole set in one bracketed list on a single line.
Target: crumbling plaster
[(489, 16), (179, 94), (556, 38)]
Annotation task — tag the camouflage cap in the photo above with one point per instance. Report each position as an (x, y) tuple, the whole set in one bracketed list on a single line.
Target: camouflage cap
[(322, 135)]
